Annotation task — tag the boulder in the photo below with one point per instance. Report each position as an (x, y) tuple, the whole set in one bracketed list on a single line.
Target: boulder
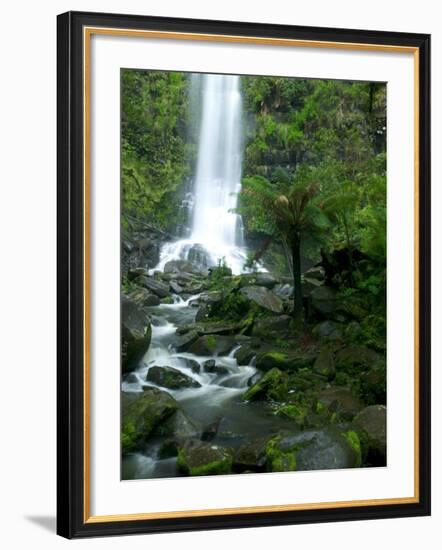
[(212, 344), (325, 364), (285, 359), (273, 385), (272, 327), (175, 287), (265, 279), (197, 458), (142, 413), (251, 456), (324, 300), (264, 298), (171, 378), (211, 367), (328, 330), (183, 342), (136, 333), (324, 449), (191, 364), (339, 400), (136, 272), (178, 427), (244, 355), (178, 266), (157, 287), (371, 426), (143, 298), (354, 358)]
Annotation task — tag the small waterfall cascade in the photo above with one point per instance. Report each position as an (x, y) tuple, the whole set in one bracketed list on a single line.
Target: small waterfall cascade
[(216, 232)]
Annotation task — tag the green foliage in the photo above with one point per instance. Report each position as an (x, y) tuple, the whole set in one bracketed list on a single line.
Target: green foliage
[(154, 152)]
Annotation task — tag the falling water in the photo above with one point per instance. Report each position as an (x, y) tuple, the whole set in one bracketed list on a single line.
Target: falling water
[(216, 231)]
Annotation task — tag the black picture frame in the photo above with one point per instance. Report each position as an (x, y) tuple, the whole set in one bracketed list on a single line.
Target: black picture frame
[(71, 519)]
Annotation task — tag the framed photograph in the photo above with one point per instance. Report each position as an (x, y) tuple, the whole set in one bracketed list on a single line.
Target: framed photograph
[(243, 274)]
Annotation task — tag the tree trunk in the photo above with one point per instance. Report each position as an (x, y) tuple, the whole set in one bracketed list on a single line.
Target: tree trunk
[(296, 256)]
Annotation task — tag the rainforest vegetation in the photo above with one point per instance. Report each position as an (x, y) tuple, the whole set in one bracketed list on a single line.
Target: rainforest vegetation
[(297, 340)]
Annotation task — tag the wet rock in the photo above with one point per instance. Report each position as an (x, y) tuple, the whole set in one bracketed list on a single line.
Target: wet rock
[(313, 450), (212, 344), (136, 333), (157, 287), (325, 364), (198, 458), (340, 401), (191, 364), (210, 431), (175, 287), (264, 298), (183, 342), (371, 426), (273, 385), (211, 367), (142, 413), (244, 355), (179, 427), (251, 456), (178, 266), (171, 378)]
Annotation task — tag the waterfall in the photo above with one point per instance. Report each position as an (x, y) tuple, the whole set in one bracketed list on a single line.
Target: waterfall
[(218, 173), (216, 231)]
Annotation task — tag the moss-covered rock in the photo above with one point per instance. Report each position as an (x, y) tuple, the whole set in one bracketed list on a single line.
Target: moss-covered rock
[(295, 412), (136, 334), (371, 427), (212, 344), (171, 378), (273, 385), (285, 359), (244, 355), (251, 456), (142, 414), (197, 458), (322, 449)]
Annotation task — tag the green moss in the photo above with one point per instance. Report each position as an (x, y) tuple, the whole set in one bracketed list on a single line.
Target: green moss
[(211, 342), (277, 356), (214, 467), (294, 412), (273, 385), (277, 460), (354, 442)]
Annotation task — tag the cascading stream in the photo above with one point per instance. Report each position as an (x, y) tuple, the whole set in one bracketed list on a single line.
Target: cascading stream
[(216, 231)]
